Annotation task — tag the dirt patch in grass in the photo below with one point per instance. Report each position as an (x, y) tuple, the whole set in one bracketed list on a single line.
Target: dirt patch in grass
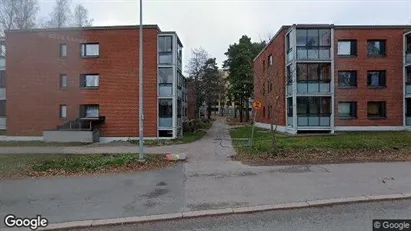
[(44, 165)]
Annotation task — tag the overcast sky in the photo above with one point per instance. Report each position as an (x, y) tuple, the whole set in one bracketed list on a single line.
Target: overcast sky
[(214, 24)]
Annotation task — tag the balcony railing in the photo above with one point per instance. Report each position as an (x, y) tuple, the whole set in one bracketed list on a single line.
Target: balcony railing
[(313, 120), (408, 88), (313, 53), (408, 120), (290, 121), (166, 122), (408, 57), (314, 87), (289, 89)]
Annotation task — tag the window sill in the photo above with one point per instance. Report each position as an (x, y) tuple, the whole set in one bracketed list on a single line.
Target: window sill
[(376, 87), (377, 118), (347, 56), (89, 88), (347, 118), (347, 87), (63, 57), (90, 57)]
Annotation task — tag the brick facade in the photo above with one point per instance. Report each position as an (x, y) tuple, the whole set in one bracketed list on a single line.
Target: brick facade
[(34, 67), (272, 78), (392, 63)]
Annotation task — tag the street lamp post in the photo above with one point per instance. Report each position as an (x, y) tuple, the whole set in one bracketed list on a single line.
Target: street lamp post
[(140, 91)]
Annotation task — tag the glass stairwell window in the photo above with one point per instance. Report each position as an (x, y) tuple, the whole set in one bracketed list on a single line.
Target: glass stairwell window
[(165, 50), (313, 44), (165, 75), (165, 112)]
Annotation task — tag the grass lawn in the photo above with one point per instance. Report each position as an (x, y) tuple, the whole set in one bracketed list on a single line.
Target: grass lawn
[(37, 144), (187, 138), (341, 147), (43, 165)]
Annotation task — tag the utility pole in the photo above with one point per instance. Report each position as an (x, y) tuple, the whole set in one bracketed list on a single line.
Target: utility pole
[(140, 91)]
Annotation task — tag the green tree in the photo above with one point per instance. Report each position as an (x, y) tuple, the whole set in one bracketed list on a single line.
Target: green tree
[(240, 65), (211, 84)]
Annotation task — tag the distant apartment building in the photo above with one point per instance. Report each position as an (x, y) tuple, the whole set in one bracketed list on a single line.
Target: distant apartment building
[(2, 84), (84, 82), (335, 78)]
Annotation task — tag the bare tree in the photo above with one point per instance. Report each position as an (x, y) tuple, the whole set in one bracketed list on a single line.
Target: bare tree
[(26, 14), (7, 14), (81, 18), (61, 15), (195, 67), (18, 14)]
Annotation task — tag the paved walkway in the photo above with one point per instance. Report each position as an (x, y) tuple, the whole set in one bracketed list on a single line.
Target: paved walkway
[(208, 180)]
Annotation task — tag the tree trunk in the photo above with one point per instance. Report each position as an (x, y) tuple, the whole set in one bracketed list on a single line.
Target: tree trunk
[(241, 109), (248, 112)]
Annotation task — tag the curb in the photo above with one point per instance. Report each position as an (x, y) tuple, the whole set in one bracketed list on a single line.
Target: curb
[(219, 212)]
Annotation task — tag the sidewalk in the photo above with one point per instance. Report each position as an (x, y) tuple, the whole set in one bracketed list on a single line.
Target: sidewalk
[(209, 180)]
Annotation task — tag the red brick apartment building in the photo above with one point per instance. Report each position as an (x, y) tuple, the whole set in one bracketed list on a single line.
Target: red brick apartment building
[(335, 78), (80, 84)]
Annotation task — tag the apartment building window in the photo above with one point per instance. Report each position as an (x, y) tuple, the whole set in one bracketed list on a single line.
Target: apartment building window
[(90, 50), (287, 42), (313, 44), (165, 112), (408, 112), (289, 75), (63, 111), (347, 110), (376, 79), (408, 80), (89, 111), (270, 60), (314, 106), (165, 81), (63, 81), (347, 79), (290, 107), (63, 50), (2, 49), (2, 79), (313, 72), (376, 47), (270, 86), (376, 110), (2, 108), (347, 48), (89, 81), (165, 49)]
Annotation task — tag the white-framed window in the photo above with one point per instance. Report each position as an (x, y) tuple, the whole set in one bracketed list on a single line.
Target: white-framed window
[(89, 111), (63, 111), (347, 48), (63, 50), (63, 81), (89, 80), (90, 50)]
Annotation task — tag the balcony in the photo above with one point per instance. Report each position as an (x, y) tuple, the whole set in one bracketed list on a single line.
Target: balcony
[(290, 121), (315, 53), (408, 57), (408, 88), (313, 120), (408, 120), (314, 87)]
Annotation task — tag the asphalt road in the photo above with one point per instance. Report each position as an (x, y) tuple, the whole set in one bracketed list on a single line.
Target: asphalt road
[(339, 217)]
